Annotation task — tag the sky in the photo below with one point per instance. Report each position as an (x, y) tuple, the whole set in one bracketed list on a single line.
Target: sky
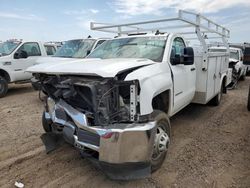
[(59, 20)]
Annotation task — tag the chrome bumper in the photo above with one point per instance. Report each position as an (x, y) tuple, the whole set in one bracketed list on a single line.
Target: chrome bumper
[(118, 143)]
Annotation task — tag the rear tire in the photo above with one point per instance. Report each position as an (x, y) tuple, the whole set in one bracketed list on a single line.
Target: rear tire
[(46, 125), (217, 99), (3, 86), (162, 139)]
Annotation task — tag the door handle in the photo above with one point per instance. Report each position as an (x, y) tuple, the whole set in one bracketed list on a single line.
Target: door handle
[(192, 69)]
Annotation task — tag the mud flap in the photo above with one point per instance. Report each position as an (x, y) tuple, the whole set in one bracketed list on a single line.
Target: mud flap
[(51, 141)]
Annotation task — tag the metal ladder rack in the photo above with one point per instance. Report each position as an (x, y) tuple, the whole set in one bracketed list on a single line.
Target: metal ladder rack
[(207, 27), (202, 27)]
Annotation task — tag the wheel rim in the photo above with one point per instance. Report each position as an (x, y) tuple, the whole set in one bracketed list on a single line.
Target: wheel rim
[(161, 143)]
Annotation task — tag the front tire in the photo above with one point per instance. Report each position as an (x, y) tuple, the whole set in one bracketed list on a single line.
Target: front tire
[(162, 139), (3, 86)]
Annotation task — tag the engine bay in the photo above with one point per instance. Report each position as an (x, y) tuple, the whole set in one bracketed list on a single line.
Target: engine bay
[(103, 100)]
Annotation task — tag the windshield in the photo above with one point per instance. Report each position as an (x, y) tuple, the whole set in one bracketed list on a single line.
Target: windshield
[(137, 47), (234, 55), (75, 48), (8, 47)]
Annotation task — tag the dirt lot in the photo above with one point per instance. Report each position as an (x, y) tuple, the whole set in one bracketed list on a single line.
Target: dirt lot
[(210, 147)]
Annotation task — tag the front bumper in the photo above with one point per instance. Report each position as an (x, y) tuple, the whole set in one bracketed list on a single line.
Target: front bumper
[(118, 145)]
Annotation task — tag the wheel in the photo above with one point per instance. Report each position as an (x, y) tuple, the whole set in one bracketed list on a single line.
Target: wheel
[(217, 99), (162, 139), (46, 125), (3, 86), (243, 77), (248, 101)]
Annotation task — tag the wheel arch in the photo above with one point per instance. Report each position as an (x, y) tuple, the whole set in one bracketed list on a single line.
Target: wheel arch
[(162, 101), (5, 74)]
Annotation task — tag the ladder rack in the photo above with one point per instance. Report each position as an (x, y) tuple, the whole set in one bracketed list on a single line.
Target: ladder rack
[(200, 22), (198, 25)]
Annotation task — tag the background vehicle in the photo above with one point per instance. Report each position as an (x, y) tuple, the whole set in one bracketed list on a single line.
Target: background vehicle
[(246, 61), (77, 48), (51, 47), (235, 63), (15, 57), (242, 46), (115, 104)]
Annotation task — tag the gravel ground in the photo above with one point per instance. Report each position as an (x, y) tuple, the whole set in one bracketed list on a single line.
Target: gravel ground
[(210, 147)]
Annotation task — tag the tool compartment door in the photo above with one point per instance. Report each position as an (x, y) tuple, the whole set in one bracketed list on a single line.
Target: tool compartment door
[(211, 72)]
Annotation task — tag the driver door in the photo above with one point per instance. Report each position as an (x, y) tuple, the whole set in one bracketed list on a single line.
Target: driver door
[(21, 64), (184, 77)]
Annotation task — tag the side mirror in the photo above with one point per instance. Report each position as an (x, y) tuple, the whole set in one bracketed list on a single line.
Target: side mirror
[(88, 52), (188, 56), (16, 55), (21, 54), (246, 58)]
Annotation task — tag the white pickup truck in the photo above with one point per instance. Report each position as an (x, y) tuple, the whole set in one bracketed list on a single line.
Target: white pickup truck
[(114, 106), (71, 50), (16, 57), (236, 59)]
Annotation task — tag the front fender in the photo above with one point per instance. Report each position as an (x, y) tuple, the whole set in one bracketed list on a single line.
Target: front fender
[(154, 79)]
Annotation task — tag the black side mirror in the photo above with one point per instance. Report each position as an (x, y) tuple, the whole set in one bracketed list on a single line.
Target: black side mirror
[(16, 55), (246, 58), (88, 52), (21, 54), (188, 56)]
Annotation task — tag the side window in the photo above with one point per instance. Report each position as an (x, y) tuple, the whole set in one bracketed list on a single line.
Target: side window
[(32, 49), (50, 50), (99, 43), (177, 48)]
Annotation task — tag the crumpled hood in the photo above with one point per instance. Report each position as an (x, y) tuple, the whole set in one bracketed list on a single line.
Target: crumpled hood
[(97, 67)]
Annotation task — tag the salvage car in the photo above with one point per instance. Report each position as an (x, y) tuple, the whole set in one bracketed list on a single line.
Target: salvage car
[(15, 57), (114, 105), (70, 50), (236, 59), (236, 67)]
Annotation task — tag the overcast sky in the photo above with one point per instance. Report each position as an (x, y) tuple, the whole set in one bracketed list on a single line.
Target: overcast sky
[(56, 20)]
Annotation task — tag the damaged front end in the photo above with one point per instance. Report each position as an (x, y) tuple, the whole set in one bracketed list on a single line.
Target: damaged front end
[(100, 117)]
